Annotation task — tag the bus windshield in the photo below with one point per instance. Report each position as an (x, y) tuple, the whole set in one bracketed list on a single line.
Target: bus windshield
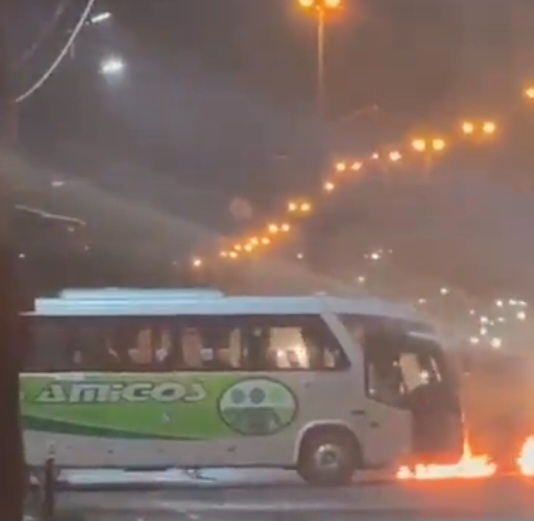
[(399, 361)]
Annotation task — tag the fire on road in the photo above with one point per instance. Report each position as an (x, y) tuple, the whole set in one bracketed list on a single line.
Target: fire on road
[(470, 466)]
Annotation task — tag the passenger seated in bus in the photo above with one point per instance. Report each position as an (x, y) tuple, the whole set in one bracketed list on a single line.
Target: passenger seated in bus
[(162, 348), (310, 340), (192, 345), (294, 359), (257, 343), (141, 354), (78, 360)]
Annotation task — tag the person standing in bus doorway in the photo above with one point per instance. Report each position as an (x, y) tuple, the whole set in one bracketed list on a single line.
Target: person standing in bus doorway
[(13, 344)]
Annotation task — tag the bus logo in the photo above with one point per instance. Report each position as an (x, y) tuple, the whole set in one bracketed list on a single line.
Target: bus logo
[(257, 406)]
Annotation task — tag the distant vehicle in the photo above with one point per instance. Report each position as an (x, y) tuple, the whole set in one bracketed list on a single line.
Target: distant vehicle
[(163, 378)]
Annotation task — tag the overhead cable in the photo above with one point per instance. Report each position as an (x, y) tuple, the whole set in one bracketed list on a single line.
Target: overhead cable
[(55, 64)]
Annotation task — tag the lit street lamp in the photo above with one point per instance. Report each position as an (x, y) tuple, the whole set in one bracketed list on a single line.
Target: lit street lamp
[(99, 18), (428, 147), (112, 66), (468, 127), (395, 156), (489, 128), (298, 208), (485, 128), (329, 186), (529, 93), (320, 9), (436, 144)]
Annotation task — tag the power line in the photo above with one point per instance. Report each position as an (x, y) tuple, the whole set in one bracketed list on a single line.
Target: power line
[(55, 64), (45, 32)]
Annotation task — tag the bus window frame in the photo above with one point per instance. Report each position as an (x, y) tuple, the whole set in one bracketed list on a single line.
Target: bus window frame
[(176, 324)]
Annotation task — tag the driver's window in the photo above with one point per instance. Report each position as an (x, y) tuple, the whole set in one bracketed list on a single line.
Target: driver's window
[(418, 369), (413, 374), (384, 381)]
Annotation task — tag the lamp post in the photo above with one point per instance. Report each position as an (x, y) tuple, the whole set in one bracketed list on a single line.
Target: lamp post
[(320, 9), (479, 129), (428, 147)]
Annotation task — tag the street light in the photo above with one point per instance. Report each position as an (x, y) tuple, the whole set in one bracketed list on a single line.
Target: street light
[(100, 17), (285, 227), (489, 127), (529, 92), (395, 156), (438, 144), (475, 128), (427, 147), (468, 127), (273, 228), (329, 186), (419, 145), (112, 66), (197, 262), (341, 166), (320, 8), (296, 207)]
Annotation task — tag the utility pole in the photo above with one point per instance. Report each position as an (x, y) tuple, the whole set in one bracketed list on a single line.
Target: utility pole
[(12, 342), (7, 106), (4, 83)]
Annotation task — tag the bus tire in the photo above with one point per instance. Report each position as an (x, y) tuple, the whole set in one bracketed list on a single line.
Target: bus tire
[(328, 456)]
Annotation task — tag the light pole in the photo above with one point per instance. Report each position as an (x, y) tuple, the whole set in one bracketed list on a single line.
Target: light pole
[(479, 129), (112, 66), (428, 147), (320, 9)]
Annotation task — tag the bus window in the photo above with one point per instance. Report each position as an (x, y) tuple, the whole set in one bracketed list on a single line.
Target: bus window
[(163, 345), (384, 380), (192, 346), (292, 343), (49, 351), (141, 354), (398, 365), (418, 369), (90, 348), (358, 326)]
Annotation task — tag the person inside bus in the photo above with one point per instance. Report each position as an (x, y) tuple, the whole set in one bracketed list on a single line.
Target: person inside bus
[(77, 360), (162, 348), (110, 357), (141, 355), (192, 346), (314, 350)]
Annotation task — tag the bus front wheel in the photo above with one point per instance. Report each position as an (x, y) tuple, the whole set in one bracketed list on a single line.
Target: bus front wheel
[(328, 457)]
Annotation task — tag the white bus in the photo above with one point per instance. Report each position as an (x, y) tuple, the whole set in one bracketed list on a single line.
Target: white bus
[(148, 379)]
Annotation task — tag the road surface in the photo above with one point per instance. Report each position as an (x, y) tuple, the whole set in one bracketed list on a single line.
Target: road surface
[(497, 498)]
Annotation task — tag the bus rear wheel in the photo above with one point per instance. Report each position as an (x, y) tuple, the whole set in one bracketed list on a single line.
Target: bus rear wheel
[(328, 457)]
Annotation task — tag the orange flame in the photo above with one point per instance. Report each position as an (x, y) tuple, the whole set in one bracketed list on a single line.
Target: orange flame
[(525, 461), (469, 466)]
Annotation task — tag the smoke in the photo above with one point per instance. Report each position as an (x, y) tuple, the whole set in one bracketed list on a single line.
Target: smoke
[(461, 229)]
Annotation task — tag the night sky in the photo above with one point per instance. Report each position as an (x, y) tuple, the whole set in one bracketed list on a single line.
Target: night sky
[(218, 97), (240, 75)]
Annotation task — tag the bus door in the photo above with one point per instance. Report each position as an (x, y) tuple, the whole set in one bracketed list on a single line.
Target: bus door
[(433, 399), (412, 399), (387, 423)]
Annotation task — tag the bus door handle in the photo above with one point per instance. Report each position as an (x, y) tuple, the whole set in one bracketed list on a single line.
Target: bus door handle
[(359, 412)]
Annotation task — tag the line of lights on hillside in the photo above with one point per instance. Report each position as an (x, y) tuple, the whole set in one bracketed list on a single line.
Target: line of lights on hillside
[(343, 170), (431, 146)]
